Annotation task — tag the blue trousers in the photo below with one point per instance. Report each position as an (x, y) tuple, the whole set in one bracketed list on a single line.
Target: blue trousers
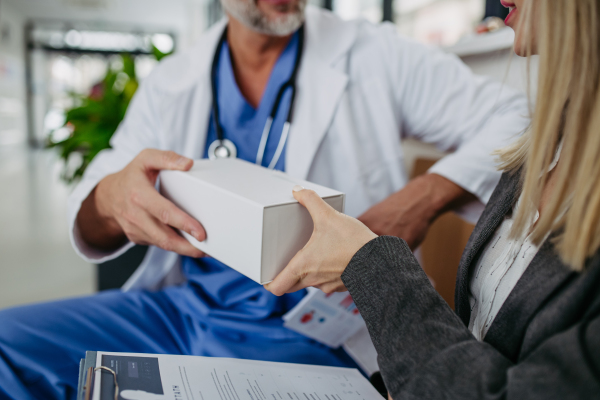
[(41, 345)]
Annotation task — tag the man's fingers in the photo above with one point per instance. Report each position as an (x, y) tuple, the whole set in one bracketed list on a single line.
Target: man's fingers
[(166, 238), (159, 160), (315, 205), (142, 228), (181, 246), (169, 214)]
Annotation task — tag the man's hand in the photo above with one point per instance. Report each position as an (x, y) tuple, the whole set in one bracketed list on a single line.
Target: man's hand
[(126, 205), (409, 213)]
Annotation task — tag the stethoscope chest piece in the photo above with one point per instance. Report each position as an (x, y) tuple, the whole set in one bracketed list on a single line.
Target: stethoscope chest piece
[(222, 149)]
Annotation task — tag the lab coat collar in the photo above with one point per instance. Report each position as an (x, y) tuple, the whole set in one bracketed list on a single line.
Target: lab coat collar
[(319, 87), (328, 38)]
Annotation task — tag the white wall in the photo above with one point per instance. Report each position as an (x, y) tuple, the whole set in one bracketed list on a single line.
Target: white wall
[(183, 17), (37, 262), (12, 76)]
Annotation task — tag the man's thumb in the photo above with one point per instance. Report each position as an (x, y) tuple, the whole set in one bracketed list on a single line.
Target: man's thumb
[(159, 160)]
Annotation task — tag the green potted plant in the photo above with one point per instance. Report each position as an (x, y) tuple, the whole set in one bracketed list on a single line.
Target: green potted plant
[(96, 117), (91, 123)]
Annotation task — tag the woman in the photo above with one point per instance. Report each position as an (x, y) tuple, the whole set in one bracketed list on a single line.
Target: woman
[(527, 320)]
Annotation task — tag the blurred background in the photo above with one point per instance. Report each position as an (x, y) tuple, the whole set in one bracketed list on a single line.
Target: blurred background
[(68, 69)]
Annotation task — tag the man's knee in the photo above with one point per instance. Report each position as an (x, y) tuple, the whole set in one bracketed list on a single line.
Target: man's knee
[(25, 328)]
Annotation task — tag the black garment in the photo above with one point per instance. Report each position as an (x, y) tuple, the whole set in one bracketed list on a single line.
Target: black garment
[(493, 8), (543, 344)]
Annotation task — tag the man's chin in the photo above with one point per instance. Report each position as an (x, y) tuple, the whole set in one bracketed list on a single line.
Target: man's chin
[(279, 3), (266, 17), (280, 13), (274, 18)]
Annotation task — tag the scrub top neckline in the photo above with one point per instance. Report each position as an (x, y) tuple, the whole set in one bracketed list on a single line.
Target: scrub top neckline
[(230, 81), (242, 124)]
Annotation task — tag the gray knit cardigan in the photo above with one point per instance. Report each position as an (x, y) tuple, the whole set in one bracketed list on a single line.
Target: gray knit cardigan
[(543, 344)]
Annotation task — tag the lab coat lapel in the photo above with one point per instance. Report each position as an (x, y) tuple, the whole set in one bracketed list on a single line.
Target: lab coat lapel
[(319, 88), (186, 98), (202, 110)]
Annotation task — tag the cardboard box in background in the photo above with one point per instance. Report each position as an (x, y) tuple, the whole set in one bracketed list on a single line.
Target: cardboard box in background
[(252, 221), (443, 246)]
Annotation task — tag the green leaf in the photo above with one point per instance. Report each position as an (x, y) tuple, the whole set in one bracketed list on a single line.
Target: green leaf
[(95, 120), (159, 54)]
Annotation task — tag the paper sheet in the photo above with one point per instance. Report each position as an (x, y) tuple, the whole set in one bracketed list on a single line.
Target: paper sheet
[(150, 376), (328, 318), (361, 349), (334, 321)]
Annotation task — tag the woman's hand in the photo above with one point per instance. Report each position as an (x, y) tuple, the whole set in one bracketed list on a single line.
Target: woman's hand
[(336, 238)]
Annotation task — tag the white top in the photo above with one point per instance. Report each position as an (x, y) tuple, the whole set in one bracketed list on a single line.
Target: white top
[(503, 262), (474, 44)]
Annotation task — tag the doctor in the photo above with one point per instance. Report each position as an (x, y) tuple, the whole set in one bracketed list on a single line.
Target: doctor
[(351, 92)]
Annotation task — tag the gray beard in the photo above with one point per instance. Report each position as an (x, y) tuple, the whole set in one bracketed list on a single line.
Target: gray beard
[(248, 13)]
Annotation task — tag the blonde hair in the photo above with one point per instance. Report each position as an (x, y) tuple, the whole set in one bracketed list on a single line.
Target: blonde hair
[(567, 109)]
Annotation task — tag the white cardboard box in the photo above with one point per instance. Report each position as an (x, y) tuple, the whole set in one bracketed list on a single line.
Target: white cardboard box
[(252, 221)]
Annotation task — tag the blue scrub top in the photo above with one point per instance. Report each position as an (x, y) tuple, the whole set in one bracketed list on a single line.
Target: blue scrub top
[(231, 300)]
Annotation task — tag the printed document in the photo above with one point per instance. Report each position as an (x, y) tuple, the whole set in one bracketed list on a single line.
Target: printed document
[(328, 318), (334, 320), (157, 376)]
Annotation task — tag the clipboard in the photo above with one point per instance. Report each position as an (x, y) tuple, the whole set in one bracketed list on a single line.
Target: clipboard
[(88, 387), (87, 373), (85, 386), (152, 373)]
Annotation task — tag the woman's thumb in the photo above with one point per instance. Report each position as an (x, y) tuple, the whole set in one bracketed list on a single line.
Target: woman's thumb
[(315, 205)]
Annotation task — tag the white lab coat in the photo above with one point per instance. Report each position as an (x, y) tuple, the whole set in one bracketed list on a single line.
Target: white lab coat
[(361, 89)]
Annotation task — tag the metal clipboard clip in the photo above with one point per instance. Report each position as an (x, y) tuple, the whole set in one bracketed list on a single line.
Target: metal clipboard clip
[(89, 382)]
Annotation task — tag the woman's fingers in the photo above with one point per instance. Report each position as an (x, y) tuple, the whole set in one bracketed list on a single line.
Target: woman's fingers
[(332, 287), (335, 239), (308, 267), (288, 279)]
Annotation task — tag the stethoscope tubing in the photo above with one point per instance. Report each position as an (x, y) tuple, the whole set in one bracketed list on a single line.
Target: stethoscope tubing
[(289, 84)]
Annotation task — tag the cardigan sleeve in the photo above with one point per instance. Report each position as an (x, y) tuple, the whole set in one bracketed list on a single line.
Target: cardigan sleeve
[(426, 352)]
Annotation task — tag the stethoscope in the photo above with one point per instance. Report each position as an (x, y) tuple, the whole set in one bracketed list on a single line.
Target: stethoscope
[(224, 148)]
